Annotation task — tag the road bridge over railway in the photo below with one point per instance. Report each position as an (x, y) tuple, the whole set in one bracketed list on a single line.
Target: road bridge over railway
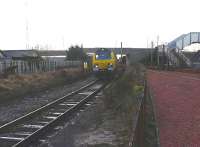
[(134, 54)]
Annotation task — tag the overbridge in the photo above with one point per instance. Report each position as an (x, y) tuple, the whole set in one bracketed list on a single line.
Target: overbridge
[(185, 40), (134, 54), (174, 50)]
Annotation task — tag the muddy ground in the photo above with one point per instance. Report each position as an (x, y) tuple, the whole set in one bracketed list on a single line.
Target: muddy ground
[(96, 126)]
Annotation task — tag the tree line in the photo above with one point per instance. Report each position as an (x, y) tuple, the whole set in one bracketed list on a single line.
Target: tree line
[(76, 53)]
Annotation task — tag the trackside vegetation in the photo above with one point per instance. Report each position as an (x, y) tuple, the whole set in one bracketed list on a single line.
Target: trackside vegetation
[(122, 100)]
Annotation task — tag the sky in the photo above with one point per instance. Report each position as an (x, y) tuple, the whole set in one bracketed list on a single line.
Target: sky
[(58, 24)]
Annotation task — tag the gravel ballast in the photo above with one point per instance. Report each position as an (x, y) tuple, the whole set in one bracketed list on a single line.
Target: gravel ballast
[(15, 108)]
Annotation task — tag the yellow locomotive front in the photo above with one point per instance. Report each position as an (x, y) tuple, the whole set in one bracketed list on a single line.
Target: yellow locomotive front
[(104, 60)]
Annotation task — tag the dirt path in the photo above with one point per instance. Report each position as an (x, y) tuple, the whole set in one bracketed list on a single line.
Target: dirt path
[(177, 102)]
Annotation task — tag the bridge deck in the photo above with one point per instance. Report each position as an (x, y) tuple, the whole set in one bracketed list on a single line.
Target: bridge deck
[(177, 106)]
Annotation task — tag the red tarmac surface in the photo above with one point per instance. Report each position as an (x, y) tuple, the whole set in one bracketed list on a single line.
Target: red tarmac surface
[(177, 106)]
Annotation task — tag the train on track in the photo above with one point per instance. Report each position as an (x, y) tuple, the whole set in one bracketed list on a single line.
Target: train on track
[(104, 62)]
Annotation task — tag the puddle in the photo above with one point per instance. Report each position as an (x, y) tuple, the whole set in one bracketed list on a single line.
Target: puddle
[(96, 137)]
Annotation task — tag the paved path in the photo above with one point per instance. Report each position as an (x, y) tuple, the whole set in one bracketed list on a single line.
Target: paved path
[(177, 105)]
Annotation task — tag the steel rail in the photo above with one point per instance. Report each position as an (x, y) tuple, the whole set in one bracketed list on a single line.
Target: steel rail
[(38, 113), (9, 124)]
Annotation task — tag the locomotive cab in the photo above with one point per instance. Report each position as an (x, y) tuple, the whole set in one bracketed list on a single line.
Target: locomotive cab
[(104, 60)]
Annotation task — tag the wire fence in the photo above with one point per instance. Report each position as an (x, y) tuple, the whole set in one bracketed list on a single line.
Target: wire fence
[(27, 67)]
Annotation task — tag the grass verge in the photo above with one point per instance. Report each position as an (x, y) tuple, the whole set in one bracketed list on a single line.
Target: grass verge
[(18, 85), (121, 98)]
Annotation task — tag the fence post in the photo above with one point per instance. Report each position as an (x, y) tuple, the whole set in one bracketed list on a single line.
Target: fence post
[(4, 67), (17, 67)]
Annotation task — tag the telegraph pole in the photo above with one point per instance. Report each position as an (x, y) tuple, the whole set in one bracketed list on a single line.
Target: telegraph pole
[(163, 56)]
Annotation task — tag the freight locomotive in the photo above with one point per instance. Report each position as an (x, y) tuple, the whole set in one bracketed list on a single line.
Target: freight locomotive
[(104, 61)]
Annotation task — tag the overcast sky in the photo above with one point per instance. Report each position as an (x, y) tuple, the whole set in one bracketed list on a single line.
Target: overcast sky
[(94, 23)]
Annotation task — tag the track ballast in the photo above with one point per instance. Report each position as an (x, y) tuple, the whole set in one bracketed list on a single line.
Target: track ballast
[(26, 129)]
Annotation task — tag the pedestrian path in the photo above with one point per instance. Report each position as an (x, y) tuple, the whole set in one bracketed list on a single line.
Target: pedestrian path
[(177, 106)]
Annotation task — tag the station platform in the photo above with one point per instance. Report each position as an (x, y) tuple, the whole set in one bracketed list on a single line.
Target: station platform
[(177, 106)]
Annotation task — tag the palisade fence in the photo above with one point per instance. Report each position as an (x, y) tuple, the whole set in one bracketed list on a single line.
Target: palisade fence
[(27, 67)]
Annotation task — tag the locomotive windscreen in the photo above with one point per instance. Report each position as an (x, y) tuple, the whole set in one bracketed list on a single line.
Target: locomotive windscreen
[(103, 54)]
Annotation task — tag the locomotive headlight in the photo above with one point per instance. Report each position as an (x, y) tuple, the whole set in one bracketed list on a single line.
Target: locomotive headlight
[(110, 64), (95, 67), (110, 67)]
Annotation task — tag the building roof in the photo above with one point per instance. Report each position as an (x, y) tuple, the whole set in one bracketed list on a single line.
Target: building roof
[(1, 55), (52, 53), (20, 53)]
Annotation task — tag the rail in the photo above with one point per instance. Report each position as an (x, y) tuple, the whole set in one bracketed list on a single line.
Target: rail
[(25, 130)]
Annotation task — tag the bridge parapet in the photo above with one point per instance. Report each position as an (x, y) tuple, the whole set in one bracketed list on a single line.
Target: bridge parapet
[(134, 54)]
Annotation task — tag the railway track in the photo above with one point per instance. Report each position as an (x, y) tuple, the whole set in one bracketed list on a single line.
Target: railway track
[(27, 129)]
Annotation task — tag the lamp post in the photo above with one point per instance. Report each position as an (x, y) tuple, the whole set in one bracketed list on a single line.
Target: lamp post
[(158, 51), (152, 46)]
